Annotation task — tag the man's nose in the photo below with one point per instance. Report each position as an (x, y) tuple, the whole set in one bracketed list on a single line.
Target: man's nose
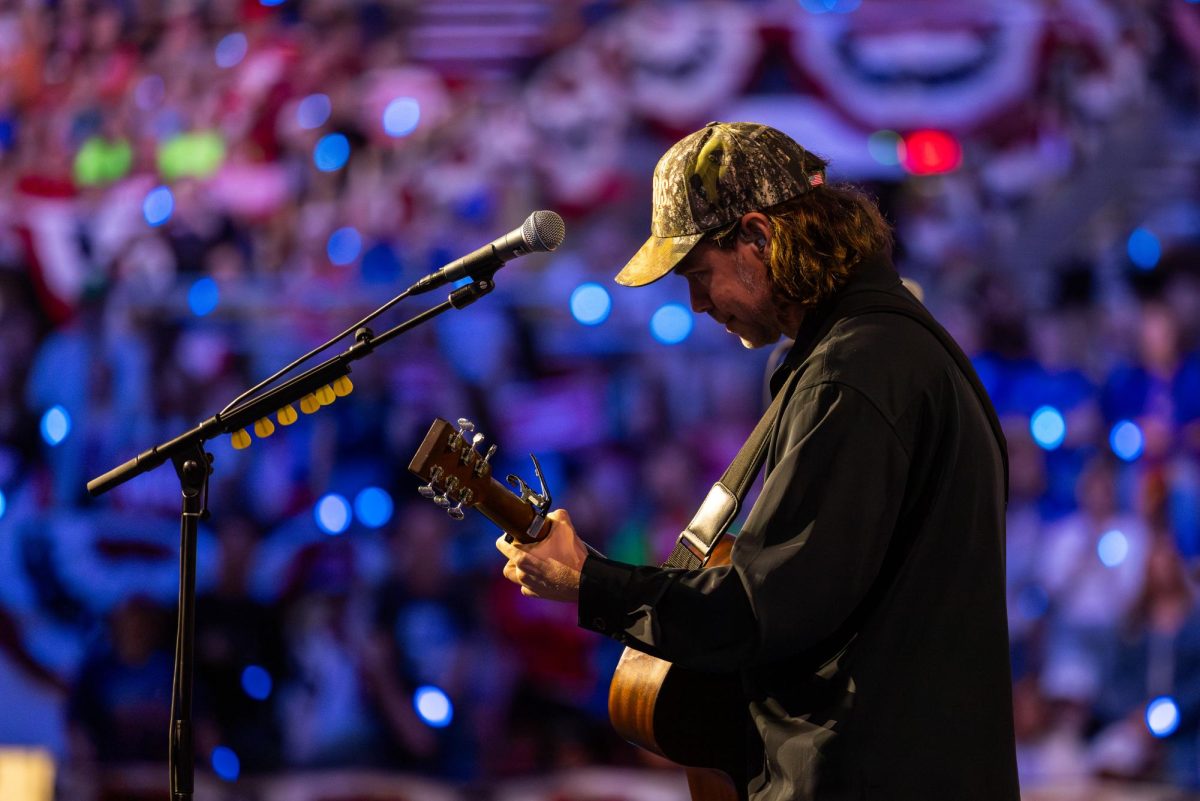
[(699, 298)]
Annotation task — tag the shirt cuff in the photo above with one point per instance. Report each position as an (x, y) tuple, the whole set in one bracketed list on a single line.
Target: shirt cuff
[(603, 584)]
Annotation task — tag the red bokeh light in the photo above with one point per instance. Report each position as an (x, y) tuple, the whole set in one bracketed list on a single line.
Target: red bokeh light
[(930, 152)]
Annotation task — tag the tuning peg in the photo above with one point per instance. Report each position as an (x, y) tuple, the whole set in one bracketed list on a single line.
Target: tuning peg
[(325, 395), (465, 426), (287, 415), (309, 403), (241, 439), (456, 512), (475, 440), (342, 387), (264, 428), (441, 500), (427, 491), (482, 466)]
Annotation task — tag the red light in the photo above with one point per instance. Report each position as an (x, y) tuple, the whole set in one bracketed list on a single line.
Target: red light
[(930, 152)]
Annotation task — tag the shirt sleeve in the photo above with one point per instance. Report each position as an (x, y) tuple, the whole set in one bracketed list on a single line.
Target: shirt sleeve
[(806, 557)]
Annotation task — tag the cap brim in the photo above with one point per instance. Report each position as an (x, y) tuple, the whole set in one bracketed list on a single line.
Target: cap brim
[(656, 258)]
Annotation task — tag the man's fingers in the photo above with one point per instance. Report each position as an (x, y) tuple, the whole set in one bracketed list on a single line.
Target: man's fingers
[(522, 579), (540, 574), (513, 570)]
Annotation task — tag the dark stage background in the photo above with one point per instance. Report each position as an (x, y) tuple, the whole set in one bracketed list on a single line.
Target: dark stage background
[(192, 193)]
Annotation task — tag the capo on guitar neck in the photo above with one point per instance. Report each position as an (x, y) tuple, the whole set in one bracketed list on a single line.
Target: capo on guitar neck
[(540, 502)]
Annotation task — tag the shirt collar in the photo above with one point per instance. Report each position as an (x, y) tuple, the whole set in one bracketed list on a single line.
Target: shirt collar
[(873, 273)]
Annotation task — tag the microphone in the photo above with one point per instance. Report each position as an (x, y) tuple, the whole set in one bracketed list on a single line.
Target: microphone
[(542, 231)]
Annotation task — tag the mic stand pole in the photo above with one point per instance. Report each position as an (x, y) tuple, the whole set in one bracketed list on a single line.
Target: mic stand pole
[(194, 465)]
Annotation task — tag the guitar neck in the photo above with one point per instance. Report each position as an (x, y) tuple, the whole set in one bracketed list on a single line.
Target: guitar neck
[(512, 514)]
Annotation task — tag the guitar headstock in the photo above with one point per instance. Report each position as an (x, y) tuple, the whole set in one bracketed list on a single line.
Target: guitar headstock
[(457, 473)]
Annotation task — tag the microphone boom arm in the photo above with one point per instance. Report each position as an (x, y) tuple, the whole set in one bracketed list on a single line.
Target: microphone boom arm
[(289, 392)]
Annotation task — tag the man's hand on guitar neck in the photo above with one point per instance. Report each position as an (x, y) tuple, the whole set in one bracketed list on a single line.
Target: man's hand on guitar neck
[(548, 569)]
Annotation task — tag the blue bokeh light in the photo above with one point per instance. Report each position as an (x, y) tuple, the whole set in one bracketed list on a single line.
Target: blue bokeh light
[(671, 324), (1126, 440), (401, 116), (433, 706), (344, 246), (830, 6), (590, 303), (373, 507), (313, 111), (256, 682), (270, 3), (1144, 248), (332, 513), (56, 425), (204, 296), (1162, 716), (158, 205), (332, 152), (3, 504), (231, 50), (1048, 427), (225, 763), (1112, 548)]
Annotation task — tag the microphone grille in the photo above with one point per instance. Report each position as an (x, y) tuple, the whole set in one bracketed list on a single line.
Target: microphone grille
[(543, 230)]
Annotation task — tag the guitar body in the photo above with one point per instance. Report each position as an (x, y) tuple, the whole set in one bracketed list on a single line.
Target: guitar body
[(693, 718)]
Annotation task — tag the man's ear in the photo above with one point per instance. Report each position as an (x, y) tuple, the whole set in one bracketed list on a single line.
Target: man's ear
[(755, 228)]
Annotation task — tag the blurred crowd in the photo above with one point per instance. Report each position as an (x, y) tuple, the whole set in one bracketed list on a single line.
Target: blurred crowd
[(196, 192)]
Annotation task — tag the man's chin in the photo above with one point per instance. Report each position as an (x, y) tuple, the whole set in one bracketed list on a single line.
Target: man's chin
[(754, 344), (751, 339)]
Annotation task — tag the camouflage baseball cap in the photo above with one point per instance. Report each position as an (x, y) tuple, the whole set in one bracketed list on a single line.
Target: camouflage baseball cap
[(711, 178)]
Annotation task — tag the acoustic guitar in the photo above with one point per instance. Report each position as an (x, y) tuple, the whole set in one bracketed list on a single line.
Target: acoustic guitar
[(695, 719)]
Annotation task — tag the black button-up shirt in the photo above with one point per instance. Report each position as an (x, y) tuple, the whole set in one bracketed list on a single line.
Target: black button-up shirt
[(864, 606)]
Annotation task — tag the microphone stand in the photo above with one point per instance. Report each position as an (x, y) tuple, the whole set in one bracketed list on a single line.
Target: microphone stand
[(193, 465)]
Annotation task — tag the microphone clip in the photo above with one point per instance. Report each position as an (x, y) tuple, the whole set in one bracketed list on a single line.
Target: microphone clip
[(466, 295)]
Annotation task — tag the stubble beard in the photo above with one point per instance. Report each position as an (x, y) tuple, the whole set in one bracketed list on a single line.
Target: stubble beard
[(754, 283)]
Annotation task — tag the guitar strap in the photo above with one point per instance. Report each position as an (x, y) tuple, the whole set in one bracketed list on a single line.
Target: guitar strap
[(721, 505), (724, 500)]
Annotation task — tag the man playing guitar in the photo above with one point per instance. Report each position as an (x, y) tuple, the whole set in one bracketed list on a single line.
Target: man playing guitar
[(861, 612)]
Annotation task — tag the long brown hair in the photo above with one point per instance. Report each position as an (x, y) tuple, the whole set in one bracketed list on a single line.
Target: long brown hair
[(816, 239)]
